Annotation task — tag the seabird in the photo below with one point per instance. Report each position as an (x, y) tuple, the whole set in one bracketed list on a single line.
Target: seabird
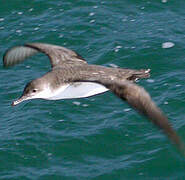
[(71, 77)]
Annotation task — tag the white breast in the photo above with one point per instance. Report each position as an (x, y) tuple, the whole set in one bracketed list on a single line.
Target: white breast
[(77, 90)]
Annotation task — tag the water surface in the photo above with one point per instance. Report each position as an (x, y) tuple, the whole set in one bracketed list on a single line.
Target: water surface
[(99, 137)]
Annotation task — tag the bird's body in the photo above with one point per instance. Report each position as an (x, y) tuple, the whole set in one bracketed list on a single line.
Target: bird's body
[(71, 77)]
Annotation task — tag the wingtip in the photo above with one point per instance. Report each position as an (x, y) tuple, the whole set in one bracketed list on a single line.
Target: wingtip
[(16, 55), (5, 65), (140, 100)]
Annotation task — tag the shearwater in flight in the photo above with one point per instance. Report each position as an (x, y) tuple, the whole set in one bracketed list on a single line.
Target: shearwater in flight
[(71, 77)]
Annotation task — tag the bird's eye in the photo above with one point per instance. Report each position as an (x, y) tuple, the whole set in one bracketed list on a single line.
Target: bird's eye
[(34, 90)]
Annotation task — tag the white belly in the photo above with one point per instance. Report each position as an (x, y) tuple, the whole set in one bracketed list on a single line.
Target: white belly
[(77, 90)]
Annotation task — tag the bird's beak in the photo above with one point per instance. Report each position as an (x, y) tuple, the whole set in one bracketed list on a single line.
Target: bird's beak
[(21, 99)]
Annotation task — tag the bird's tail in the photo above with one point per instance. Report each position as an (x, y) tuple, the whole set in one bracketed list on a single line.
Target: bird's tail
[(143, 73)]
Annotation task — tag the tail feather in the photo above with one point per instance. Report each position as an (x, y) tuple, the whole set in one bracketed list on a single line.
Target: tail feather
[(143, 73)]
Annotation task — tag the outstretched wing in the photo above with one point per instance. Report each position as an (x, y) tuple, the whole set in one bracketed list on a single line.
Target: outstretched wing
[(141, 101), (58, 55)]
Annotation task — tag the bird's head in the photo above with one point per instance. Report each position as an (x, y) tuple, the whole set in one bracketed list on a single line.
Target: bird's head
[(33, 90)]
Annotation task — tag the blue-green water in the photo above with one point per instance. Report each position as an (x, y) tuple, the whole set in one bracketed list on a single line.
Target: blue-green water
[(99, 137)]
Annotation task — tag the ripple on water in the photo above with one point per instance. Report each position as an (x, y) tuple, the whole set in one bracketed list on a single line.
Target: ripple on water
[(98, 137)]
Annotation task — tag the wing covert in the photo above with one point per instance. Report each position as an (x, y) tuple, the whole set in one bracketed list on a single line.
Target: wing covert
[(58, 55)]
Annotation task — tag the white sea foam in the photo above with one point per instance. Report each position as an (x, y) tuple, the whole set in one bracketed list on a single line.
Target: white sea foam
[(20, 13), (61, 36), (18, 31), (150, 80), (92, 21), (126, 109), (61, 120), (168, 45), (37, 28), (31, 9), (124, 19), (85, 105), (117, 48), (76, 103), (91, 14), (165, 102)]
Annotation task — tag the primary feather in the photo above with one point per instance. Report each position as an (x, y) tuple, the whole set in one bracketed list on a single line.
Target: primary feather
[(17, 54), (72, 77)]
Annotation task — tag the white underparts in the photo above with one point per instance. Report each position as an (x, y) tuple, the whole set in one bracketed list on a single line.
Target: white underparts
[(75, 90)]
